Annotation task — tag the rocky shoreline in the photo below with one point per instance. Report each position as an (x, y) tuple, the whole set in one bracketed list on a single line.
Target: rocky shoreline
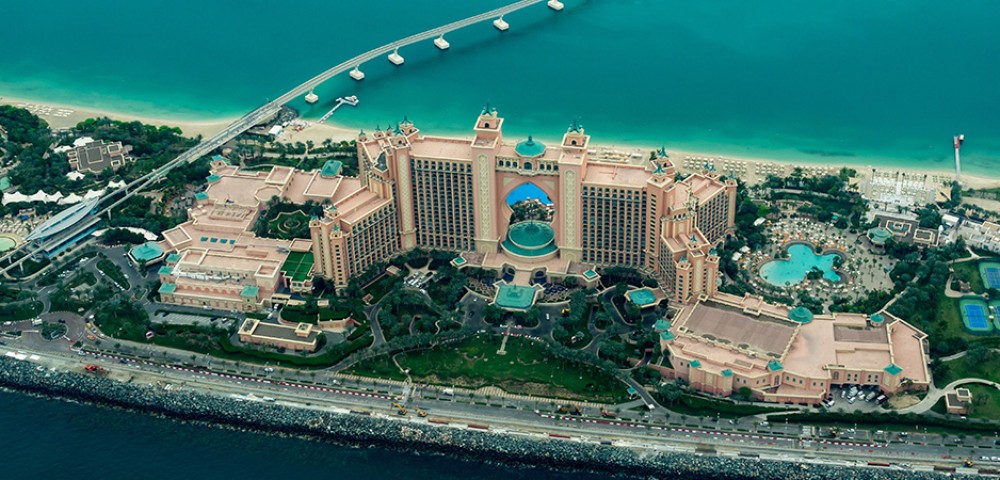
[(363, 430)]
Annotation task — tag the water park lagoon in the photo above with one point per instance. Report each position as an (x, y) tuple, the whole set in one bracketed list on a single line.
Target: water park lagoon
[(801, 260)]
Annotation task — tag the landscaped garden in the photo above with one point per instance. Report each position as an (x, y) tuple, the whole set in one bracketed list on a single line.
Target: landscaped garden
[(528, 367), (287, 225)]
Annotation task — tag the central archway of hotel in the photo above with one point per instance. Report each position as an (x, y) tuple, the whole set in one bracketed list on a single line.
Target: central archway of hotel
[(530, 238), (529, 202)]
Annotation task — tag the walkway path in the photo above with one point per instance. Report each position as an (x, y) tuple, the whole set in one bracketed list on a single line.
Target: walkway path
[(935, 394)]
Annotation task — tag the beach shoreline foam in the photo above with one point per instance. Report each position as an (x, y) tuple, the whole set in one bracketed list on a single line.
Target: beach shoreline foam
[(61, 116)]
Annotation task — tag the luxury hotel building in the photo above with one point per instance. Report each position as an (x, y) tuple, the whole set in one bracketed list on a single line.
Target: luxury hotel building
[(448, 193), (610, 208)]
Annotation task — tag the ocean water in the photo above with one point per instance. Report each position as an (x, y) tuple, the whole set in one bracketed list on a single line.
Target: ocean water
[(866, 83), (50, 439)]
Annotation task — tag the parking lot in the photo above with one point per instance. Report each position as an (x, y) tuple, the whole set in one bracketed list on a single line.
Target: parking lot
[(843, 401)]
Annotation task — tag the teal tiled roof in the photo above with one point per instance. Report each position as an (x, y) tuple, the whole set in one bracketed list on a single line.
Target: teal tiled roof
[(800, 314), (168, 288), (774, 365), (727, 373), (667, 336), (530, 148), (696, 364), (893, 369), (661, 324), (331, 168), (174, 257), (146, 252), (165, 271), (201, 196), (250, 291)]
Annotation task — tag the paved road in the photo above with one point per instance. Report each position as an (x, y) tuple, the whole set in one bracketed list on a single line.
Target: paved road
[(641, 429)]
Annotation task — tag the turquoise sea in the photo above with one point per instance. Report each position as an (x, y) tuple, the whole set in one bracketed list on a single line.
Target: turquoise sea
[(867, 83)]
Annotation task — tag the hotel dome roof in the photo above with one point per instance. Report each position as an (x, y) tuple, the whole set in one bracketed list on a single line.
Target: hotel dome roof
[(530, 148)]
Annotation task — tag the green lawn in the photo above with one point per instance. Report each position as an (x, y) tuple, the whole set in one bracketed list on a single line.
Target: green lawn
[(969, 272), (965, 368), (384, 285), (985, 402), (525, 369), (378, 367), (950, 319), (299, 315)]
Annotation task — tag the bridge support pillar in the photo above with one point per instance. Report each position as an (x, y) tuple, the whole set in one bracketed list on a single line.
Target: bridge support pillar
[(311, 97), (395, 58), (441, 43), (501, 25), (357, 74), (556, 5)]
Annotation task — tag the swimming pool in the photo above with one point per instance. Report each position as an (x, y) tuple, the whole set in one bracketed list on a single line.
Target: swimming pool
[(6, 243), (801, 259)]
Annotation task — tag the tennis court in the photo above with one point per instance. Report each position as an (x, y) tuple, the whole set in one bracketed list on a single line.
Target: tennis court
[(974, 314), (995, 311), (990, 271)]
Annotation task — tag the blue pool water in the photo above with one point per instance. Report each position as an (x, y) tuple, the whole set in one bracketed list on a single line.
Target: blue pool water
[(801, 259)]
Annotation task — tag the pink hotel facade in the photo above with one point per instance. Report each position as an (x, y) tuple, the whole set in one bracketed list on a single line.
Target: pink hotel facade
[(446, 193), (610, 209)]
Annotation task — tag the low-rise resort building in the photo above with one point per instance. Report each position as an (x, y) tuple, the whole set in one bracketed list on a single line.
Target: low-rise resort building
[(725, 343)]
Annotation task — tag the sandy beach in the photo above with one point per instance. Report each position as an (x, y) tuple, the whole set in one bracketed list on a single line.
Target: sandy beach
[(750, 169)]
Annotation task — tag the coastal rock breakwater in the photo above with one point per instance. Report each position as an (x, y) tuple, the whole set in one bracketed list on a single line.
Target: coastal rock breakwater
[(364, 430)]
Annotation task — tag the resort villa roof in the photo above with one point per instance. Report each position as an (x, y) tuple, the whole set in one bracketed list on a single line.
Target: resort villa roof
[(331, 168), (515, 297), (147, 252)]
